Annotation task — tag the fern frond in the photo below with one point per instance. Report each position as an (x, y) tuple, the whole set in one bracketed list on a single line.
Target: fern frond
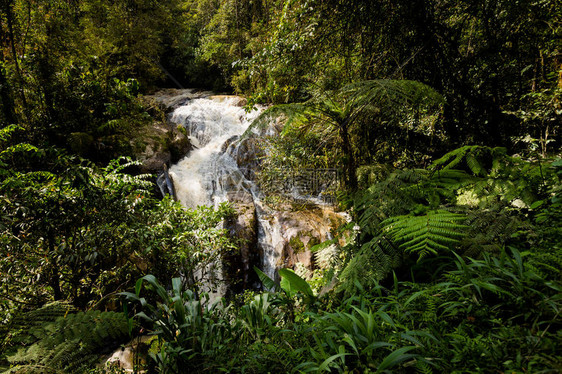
[(479, 160), (15, 150), (392, 93), (434, 232), (423, 367), (71, 343), (7, 132), (474, 165), (374, 261)]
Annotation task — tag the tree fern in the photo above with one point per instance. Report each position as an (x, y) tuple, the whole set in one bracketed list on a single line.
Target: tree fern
[(434, 232), (393, 94), (336, 114)]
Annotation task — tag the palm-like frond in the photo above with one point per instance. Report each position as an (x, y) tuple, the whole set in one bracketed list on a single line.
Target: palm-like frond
[(392, 93), (289, 112)]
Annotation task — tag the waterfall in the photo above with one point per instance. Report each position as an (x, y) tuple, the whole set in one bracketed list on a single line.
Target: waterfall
[(209, 173), (220, 169), (206, 175)]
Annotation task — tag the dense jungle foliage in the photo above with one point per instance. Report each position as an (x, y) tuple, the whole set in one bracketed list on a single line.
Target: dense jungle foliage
[(443, 116)]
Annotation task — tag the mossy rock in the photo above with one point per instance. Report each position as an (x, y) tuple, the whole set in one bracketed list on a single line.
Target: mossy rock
[(297, 245), (179, 144), (159, 144), (313, 241)]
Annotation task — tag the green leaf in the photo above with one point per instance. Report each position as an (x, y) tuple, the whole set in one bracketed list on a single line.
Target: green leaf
[(292, 283), (144, 316), (537, 204), (138, 287), (395, 358), (176, 286), (267, 282), (324, 365), (318, 247)]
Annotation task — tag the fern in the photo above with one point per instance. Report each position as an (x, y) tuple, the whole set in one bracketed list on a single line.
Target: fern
[(428, 234), (479, 160), (489, 230), (26, 328), (374, 262), (547, 264), (423, 367), (114, 173), (396, 195), (6, 133), (72, 343)]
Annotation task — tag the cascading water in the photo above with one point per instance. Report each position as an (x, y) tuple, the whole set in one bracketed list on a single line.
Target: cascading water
[(209, 173), (219, 170), (205, 175)]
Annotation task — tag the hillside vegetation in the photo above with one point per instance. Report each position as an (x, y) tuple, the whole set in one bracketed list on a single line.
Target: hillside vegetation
[(444, 118)]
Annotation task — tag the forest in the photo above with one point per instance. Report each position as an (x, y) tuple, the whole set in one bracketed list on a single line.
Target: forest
[(443, 119)]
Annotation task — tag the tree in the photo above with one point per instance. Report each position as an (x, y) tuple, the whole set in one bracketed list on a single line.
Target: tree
[(482, 56), (72, 231), (342, 113)]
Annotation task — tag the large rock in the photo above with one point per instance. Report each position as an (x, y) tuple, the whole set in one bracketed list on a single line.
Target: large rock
[(248, 150), (243, 229), (247, 153), (289, 234), (170, 98), (131, 357), (303, 230), (159, 145)]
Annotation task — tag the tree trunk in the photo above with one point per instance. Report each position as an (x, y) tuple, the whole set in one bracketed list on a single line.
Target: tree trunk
[(6, 99), (350, 168), (52, 268), (10, 20)]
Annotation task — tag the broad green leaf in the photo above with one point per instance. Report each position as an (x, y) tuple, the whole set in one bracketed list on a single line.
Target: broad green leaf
[(267, 282), (292, 283), (395, 358), (324, 365), (138, 287)]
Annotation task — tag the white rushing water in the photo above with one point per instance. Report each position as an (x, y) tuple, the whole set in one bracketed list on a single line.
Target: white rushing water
[(206, 174), (270, 240), (210, 175)]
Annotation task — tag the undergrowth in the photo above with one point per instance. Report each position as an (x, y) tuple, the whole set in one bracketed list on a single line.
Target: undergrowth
[(446, 270)]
